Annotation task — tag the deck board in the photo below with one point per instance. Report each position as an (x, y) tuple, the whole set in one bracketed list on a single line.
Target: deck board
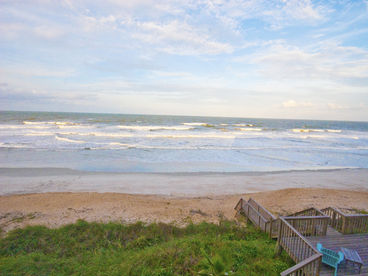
[(335, 241)]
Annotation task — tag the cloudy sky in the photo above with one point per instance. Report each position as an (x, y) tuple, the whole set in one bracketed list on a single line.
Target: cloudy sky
[(251, 58)]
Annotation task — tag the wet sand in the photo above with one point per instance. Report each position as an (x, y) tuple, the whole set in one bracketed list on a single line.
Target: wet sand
[(43, 180)]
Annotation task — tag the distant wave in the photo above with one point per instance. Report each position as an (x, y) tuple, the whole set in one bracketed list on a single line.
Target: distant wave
[(250, 129), (64, 139), (195, 124), (316, 130), (210, 135), (49, 123), (156, 127), (244, 125)]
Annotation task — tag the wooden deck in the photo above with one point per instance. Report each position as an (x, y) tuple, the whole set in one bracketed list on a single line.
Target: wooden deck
[(334, 240), (299, 234)]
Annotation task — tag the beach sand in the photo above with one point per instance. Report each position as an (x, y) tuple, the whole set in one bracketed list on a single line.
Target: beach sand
[(338, 188)]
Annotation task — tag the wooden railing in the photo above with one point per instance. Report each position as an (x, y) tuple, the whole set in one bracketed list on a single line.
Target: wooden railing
[(347, 223), (259, 216), (308, 267), (310, 225), (308, 259), (292, 229), (263, 211), (308, 212)]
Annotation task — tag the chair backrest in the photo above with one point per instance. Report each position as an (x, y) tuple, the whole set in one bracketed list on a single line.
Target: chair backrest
[(341, 256)]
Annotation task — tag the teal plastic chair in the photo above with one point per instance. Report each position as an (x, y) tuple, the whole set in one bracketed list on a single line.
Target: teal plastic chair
[(330, 257)]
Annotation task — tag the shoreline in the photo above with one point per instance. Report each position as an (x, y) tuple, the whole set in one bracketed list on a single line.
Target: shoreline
[(58, 209), (44, 180)]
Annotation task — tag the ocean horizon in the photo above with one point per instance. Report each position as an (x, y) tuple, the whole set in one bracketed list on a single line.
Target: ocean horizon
[(163, 143)]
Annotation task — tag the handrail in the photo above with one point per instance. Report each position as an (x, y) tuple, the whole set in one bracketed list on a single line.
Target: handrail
[(256, 213), (347, 223), (306, 217), (259, 214), (292, 231), (299, 249), (299, 267), (240, 202), (316, 211), (264, 209), (298, 234)]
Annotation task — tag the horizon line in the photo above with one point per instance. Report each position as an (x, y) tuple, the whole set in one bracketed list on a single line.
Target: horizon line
[(146, 114)]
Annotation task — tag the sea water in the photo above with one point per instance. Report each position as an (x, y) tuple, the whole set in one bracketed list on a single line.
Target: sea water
[(153, 143)]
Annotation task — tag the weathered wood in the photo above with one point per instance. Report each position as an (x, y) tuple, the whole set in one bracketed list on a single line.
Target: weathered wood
[(347, 223), (295, 234), (258, 215), (310, 225), (357, 242), (265, 213), (306, 256), (308, 266), (297, 246), (308, 212)]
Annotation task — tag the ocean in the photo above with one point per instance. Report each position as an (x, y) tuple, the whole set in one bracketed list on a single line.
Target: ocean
[(168, 144)]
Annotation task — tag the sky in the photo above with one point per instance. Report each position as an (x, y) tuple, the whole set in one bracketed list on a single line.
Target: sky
[(295, 59)]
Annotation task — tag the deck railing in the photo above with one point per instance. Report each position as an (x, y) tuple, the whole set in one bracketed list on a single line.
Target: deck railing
[(308, 212), (308, 267), (308, 259), (292, 229), (310, 225), (263, 211), (259, 216), (347, 223)]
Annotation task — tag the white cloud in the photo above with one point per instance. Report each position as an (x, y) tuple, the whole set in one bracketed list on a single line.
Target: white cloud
[(180, 38), (48, 32), (294, 104), (329, 61), (337, 106)]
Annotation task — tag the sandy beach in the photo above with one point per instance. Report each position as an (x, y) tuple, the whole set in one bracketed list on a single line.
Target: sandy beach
[(53, 200)]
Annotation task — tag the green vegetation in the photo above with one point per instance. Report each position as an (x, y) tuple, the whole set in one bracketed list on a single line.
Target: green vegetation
[(156, 249)]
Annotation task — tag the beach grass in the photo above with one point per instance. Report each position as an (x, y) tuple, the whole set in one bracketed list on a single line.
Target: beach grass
[(156, 249)]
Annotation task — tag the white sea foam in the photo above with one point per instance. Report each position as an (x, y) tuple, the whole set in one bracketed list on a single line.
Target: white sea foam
[(155, 127), (64, 139), (40, 134), (210, 135), (23, 127), (307, 130), (48, 123), (250, 129), (195, 124), (244, 125), (11, 127)]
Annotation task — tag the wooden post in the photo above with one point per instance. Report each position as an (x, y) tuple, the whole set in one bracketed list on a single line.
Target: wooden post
[(278, 248), (319, 266), (343, 225), (271, 228)]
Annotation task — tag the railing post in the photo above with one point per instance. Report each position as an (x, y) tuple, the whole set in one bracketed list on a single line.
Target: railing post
[(343, 225), (271, 227), (278, 248)]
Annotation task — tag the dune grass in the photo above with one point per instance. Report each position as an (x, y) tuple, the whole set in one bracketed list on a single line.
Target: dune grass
[(156, 249)]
